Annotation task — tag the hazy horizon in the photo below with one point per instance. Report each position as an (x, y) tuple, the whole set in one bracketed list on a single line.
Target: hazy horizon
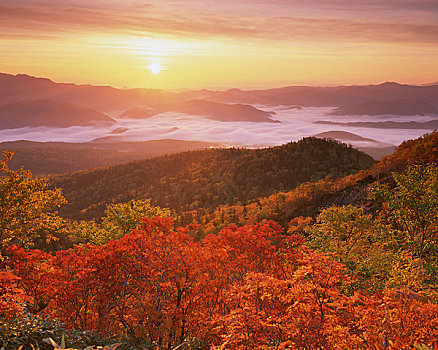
[(243, 86), (225, 88)]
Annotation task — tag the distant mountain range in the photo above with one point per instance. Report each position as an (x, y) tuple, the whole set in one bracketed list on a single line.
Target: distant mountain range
[(22, 87), (429, 125), (396, 107), (49, 113), (62, 104), (338, 96)]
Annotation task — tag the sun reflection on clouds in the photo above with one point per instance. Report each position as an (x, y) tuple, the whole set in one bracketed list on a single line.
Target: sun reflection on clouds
[(150, 47)]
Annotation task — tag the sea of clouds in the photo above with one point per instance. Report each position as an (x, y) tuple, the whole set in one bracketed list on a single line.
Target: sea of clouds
[(295, 124)]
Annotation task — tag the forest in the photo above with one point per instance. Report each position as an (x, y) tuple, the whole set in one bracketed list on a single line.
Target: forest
[(208, 178), (319, 249)]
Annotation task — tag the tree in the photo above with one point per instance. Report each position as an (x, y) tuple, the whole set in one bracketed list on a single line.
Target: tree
[(11, 295), (119, 220), (413, 207), (359, 241), (26, 207)]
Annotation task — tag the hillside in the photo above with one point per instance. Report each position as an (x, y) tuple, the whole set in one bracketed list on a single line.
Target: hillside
[(311, 197), (212, 110), (205, 179), (45, 158), (374, 148), (49, 113), (327, 239), (398, 107), (429, 125)]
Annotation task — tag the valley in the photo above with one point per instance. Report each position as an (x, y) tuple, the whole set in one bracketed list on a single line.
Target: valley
[(70, 114)]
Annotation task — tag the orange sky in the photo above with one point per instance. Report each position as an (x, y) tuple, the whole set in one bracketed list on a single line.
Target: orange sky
[(221, 44)]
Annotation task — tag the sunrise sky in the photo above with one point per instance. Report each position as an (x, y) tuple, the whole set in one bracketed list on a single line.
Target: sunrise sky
[(176, 44)]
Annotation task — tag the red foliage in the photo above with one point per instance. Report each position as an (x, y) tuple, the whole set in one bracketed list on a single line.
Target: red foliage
[(248, 287), (11, 296)]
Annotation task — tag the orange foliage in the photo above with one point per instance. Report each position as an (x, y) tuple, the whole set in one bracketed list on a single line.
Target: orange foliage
[(423, 150), (248, 287), (11, 296)]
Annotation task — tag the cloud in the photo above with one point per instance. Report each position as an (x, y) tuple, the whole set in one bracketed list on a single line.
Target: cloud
[(295, 124), (299, 20)]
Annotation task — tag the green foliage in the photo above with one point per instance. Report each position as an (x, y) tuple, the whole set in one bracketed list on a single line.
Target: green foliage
[(359, 241), (413, 208), (26, 207), (306, 199), (119, 219), (30, 331)]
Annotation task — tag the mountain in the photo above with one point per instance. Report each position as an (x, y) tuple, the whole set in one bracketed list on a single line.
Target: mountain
[(212, 110), (375, 149), (44, 158), (16, 88), (308, 199), (49, 113), (206, 179), (308, 96), (430, 84), (345, 136), (429, 125), (139, 113), (397, 107)]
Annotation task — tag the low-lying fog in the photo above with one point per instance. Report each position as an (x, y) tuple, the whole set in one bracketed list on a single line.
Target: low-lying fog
[(295, 124)]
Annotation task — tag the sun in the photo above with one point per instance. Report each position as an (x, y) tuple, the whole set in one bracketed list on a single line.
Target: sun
[(155, 68)]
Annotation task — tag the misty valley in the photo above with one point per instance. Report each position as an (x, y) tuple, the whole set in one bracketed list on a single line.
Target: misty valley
[(83, 126), (290, 218)]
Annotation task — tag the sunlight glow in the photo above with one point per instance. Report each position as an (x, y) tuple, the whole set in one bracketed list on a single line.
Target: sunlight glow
[(155, 68)]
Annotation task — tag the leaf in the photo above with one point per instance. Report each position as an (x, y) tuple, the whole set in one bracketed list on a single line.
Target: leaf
[(51, 342), (113, 346), (63, 341)]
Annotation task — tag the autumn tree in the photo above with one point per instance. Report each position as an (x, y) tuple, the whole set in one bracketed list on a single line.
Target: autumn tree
[(119, 219), (305, 309), (359, 241), (11, 295), (26, 207), (413, 207)]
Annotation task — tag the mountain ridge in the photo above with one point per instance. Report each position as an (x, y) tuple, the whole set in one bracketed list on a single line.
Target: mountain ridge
[(190, 180), (49, 113), (110, 99)]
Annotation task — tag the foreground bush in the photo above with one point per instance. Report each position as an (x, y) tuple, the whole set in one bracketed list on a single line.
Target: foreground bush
[(34, 332)]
